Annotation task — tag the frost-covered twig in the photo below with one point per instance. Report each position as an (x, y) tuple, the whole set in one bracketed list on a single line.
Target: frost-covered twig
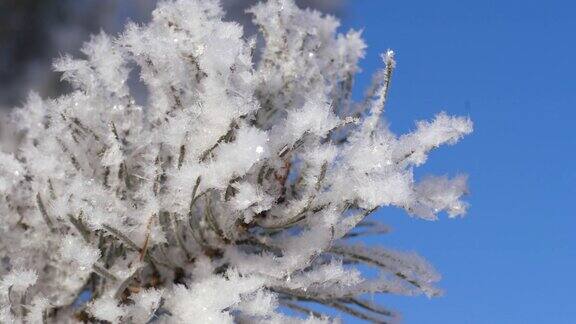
[(229, 193)]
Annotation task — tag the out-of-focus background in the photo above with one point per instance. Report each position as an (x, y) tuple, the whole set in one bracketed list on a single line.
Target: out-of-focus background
[(34, 32), (509, 65)]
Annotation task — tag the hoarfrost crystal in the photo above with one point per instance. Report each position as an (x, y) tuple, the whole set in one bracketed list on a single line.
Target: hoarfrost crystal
[(231, 195)]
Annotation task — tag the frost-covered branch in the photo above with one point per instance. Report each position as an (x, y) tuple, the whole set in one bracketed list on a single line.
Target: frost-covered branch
[(232, 194)]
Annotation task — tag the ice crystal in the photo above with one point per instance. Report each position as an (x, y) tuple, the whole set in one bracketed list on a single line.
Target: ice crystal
[(231, 194)]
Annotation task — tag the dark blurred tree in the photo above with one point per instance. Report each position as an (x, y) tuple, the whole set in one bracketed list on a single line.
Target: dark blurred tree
[(24, 31)]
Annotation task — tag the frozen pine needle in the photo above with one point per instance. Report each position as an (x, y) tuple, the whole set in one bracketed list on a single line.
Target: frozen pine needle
[(238, 190)]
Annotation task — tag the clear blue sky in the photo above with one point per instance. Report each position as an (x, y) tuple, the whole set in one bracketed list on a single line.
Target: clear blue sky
[(510, 66)]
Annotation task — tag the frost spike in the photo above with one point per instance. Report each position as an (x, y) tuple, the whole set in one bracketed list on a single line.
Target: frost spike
[(378, 105)]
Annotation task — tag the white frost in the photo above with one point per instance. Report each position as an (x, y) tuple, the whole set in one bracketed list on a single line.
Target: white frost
[(231, 194)]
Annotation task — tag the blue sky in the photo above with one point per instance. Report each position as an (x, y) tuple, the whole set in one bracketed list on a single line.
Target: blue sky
[(509, 65)]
